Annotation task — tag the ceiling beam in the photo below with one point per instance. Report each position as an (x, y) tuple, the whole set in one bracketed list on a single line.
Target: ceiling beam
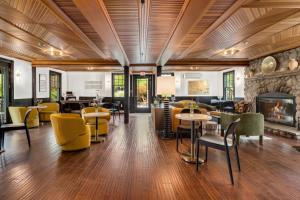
[(213, 63), (216, 24), (72, 26), (192, 11), (10, 53), (144, 15), (74, 62), (96, 14), (273, 4)]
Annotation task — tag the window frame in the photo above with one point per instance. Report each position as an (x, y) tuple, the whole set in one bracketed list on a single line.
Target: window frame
[(225, 83), (113, 85)]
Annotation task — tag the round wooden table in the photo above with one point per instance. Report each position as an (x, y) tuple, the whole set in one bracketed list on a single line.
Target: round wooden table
[(190, 157), (96, 115)]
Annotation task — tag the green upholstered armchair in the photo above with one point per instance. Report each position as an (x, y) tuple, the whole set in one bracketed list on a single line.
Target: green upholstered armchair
[(251, 124)]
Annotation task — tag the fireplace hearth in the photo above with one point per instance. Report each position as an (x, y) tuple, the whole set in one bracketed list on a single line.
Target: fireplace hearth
[(277, 108)]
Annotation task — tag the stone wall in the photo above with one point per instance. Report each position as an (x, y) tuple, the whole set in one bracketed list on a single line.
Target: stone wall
[(282, 59), (283, 80)]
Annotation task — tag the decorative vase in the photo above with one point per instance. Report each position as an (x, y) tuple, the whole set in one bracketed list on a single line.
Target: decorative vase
[(251, 74), (293, 64)]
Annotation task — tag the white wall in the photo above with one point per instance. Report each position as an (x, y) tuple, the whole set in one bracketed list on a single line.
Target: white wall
[(214, 80), (23, 83), (46, 70), (76, 83), (239, 80)]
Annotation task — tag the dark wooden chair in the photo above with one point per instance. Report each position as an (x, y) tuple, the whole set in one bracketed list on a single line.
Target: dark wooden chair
[(185, 128), (10, 127), (221, 143)]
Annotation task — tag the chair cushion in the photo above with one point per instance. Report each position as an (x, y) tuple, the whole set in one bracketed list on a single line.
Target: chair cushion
[(215, 139), (12, 125)]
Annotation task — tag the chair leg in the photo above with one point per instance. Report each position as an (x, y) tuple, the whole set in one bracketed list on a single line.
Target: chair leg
[(237, 139), (177, 141), (28, 136), (261, 140), (180, 134), (229, 165), (237, 157), (1, 141), (206, 153), (197, 155)]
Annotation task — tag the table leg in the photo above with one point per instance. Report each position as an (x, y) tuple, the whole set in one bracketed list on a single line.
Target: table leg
[(97, 139), (191, 157)]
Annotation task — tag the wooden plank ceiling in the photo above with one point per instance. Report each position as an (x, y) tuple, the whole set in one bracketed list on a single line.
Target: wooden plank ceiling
[(178, 34)]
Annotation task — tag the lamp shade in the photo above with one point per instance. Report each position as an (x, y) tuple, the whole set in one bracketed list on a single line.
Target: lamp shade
[(166, 85)]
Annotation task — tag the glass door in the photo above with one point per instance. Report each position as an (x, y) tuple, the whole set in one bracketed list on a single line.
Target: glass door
[(142, 92), (4, 91), (55, 86)]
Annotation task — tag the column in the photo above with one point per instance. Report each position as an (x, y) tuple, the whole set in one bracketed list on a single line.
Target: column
[(126, 94)]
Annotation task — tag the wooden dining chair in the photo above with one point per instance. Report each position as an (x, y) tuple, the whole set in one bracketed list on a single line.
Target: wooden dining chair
[(220, 143), (10, 127)]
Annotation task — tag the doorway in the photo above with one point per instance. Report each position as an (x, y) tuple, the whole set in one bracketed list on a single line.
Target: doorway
[(142, 92), (55, 86), (4, 91)]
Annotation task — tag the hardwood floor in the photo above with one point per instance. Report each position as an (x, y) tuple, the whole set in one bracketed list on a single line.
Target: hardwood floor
[(133, 163)]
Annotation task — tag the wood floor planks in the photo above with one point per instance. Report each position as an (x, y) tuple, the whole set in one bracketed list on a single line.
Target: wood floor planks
[(133, 163)]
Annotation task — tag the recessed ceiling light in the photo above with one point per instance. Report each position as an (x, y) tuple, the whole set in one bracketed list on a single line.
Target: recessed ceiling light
[(54, 52), (41, 44), (90, 68), (230, 52)]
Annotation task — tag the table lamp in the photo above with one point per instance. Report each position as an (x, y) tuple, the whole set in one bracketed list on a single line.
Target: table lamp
[(166, 88)]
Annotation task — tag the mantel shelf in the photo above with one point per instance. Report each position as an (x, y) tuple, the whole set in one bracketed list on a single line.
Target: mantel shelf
[(275, 74)]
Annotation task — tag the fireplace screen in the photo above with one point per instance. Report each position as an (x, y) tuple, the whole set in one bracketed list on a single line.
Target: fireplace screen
[(278, 110)]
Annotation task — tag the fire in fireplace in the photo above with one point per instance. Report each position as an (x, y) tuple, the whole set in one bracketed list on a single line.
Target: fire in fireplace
[(277, 107)]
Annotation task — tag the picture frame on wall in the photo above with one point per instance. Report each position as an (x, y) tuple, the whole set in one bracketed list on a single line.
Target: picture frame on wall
[(198, 87), (42, 82)]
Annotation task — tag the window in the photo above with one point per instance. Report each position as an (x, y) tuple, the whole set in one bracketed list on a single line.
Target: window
[(55, 81), (118, 85), (228, 85)]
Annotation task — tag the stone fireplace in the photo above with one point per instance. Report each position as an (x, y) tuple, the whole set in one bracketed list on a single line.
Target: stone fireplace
[(283, 84), (277, 108), (276, 95)]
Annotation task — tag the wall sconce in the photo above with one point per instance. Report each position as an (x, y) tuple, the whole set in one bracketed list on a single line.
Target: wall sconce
[(18, 75)]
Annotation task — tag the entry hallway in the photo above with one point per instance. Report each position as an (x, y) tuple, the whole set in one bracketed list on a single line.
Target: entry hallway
[(133, 163)]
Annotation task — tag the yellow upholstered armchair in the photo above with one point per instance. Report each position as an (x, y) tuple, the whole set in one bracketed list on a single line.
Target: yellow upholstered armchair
[(50, 108), (70, 131), (17, 115), (103, 122)]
